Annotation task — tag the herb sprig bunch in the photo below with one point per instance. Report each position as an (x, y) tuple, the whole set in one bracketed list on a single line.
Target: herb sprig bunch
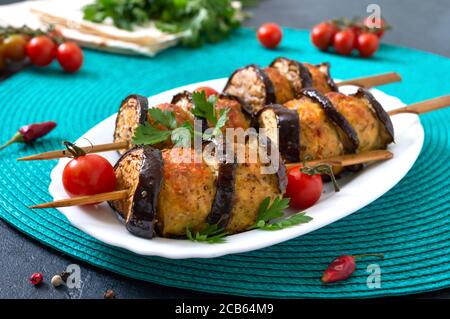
[(198, 21)]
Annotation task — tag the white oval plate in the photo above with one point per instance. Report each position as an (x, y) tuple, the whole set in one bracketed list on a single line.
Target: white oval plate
[(358, 190)]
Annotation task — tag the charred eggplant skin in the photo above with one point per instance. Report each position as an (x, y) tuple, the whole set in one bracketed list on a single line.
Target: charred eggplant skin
[(330, 80), (268, 85), (143, 210), (288, 123), (143, 109), (352, 143), (305, 75), (225, 187), (381, 114), (281, 172)]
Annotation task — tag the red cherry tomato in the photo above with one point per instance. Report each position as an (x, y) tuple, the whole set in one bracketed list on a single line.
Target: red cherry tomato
[(303, 190), (367, 44), (88, 175), (270, 34), (356, 32), (343, 41), (378, 31), (322, 35), (70, 56), (41, 50), (208, 91)]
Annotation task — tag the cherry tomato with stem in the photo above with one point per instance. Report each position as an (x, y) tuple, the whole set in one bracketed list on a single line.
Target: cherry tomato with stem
[(208, 90), (367, 44), (304, 190), (87, 174), (379, 31), (41, 50), (70, 56), (344, 41), (15, 47), (270, 34), (322, 35)]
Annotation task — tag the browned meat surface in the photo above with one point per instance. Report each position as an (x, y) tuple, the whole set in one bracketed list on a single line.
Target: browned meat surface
[(283, 88), (318, 136), (319, 78), (186, 195), (359, 114)]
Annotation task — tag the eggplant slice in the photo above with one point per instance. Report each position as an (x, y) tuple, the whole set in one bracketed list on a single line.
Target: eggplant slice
[(140, 170), (348, 135), (287, 122), (225, 185), (386, 128), (253, 86), (297, 74), (132, 112)]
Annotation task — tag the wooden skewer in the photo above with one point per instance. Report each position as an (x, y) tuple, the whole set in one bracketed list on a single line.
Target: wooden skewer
[(84, 200), (350, 159), (374, 80), (87, 149), (424, 106), (345, 160)]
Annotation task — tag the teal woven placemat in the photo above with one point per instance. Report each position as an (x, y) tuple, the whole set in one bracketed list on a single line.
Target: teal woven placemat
[(410, 224)]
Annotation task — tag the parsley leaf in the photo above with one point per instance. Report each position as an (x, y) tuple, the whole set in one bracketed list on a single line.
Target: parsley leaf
[(211, 235), (296, 219), (203, 107), (196, 21), (268, 212), (148, 135), (182, 136), (165, 118)]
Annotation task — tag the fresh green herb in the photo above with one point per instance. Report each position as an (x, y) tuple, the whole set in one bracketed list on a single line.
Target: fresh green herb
[(147, 134), (182, 136), (268, 212), (204, 107), (197, 21), (165, 118), (213, 234)]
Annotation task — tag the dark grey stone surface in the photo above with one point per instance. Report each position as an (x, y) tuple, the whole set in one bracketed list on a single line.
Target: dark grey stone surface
[(420, 24)]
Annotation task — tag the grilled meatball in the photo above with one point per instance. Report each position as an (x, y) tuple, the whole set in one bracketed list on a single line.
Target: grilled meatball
[(386, 128), (318, 136), (132, 113), (284, 90), (238, 116), (251, 187), (186, 196), (297, 74), (321, 77), (358, 113)]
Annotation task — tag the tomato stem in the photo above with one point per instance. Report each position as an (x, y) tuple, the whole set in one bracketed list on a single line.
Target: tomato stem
[(76, 151), (322, 169)]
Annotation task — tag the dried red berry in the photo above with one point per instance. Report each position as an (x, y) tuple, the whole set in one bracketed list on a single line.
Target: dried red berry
[(36, 278)]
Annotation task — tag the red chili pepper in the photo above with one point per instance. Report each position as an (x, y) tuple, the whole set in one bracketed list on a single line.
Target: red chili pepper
[(30, 133), (342, 267)]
